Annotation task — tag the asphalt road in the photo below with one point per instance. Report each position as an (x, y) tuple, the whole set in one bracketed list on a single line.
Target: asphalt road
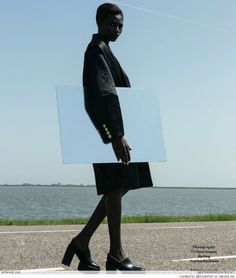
[(175, 246)]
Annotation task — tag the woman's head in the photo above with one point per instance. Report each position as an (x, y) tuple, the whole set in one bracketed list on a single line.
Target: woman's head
[(109, 19)]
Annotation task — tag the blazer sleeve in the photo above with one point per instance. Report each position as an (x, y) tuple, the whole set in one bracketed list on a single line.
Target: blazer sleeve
[(106, 112)]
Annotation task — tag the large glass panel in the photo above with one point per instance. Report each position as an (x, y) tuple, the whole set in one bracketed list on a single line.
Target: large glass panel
[(81, 142)]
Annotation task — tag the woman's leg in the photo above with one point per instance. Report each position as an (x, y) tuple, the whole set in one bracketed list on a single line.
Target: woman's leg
[(83, 238), (113, 209)]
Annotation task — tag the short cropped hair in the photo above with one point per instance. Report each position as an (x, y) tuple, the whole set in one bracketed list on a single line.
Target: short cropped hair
[(106, 9)]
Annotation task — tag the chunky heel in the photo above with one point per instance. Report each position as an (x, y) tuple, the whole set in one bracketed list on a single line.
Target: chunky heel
[(86, 262), (110, 266), (68, 256)]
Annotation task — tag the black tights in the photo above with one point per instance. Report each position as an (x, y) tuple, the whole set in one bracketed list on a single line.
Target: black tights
[(110, 206)]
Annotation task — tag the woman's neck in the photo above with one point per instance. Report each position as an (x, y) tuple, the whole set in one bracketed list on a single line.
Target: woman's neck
[(103, 38)]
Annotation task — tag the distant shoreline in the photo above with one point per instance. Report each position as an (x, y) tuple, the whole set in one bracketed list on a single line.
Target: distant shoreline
[(73, 185)]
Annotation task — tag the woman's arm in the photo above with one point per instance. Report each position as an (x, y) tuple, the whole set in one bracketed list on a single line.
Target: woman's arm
[(102, 93), (106, 113)]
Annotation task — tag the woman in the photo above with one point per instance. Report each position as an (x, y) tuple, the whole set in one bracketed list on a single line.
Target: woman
[(102, 73)]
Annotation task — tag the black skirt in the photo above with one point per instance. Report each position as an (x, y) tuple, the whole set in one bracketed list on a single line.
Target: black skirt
[(109, 176)]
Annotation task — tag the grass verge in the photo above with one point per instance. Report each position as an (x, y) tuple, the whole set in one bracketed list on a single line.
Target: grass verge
[(125, 219)]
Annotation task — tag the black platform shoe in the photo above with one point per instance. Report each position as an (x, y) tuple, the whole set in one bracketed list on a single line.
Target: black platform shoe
[(113, 264), (86, 262)]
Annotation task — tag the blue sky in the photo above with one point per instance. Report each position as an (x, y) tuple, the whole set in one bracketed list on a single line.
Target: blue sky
[(185, 49)]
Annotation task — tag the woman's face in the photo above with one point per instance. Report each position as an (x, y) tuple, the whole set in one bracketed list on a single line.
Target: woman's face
[(111, 27)]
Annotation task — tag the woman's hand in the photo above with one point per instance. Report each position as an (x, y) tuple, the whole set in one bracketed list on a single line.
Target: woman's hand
[(121, 149)]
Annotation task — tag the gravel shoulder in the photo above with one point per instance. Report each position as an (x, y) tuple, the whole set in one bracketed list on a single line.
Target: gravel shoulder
[(154, 246)]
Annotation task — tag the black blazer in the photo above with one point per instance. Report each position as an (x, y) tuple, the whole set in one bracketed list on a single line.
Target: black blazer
[(102, 73)]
